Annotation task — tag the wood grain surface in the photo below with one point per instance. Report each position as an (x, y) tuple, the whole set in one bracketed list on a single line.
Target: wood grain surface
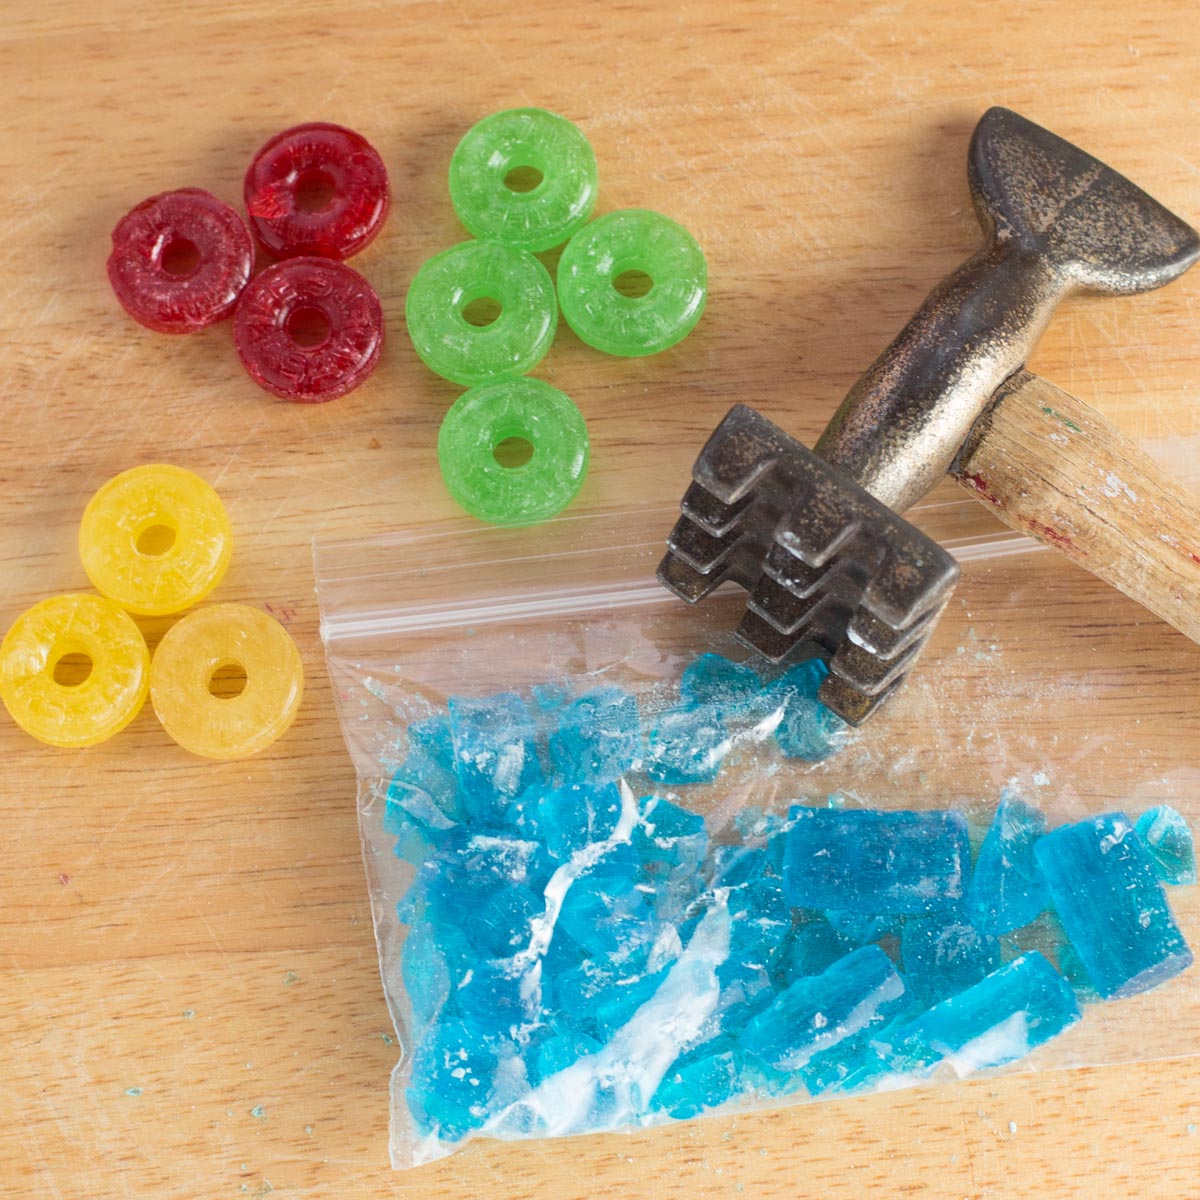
[(189, 997)]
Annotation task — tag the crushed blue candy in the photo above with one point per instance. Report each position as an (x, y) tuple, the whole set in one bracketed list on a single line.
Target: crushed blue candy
[(582, 955)]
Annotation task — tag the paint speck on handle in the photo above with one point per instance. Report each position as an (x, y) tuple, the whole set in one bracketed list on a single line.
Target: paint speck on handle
[(258, 1113), (1192, 1130), (64, 879), (387, 1039), (133, 1091), (290, 978), (188, 1013), (1012, 1127)]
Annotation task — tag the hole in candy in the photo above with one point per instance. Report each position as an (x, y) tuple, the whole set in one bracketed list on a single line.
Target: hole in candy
[(481, 312), (513, 452), (314, 192), (227, 681), (155, 541), (72, 669), (523, 179), (180, 257), (308, 327), (634, 284)]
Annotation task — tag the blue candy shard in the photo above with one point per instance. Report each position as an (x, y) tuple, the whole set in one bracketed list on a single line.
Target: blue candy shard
[(867, 1061), (452, 1077), (559, 1051), (858, 992), (687, 745), (690, 1087), (1168, 837), (599, 998), (610, 910), (810, 948), (1007, 890), (495, 754), (945, 954), (734, 689), (497, 994), (499, 925), (667, 836), (464, 870), (1005, 1016), (868, 861), (760, 925), (572, 817), (431, 962), (598, 736), (1108, 895), (806, 729)]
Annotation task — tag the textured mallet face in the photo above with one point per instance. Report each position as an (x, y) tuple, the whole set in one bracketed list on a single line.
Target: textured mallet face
[(830, 570)]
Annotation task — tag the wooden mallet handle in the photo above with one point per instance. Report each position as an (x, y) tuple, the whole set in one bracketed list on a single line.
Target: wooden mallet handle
[(1052, 467)]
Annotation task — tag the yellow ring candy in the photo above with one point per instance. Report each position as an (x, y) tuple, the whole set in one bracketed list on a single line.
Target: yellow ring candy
[(207, 642), (102, 703), (155, 539)]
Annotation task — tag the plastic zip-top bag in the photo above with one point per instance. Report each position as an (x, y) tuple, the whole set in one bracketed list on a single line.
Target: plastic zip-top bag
[(623, 873)]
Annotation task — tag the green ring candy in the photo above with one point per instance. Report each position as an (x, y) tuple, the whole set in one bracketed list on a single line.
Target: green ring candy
[(543, 216), (632, 240), (479, 420), (515, 342)]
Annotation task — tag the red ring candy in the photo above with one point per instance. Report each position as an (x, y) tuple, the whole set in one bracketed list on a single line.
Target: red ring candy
[(309, 329), (316, 189), (180, 260)]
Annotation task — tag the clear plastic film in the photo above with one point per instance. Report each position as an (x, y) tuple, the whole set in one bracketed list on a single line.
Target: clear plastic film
[(594, 850)]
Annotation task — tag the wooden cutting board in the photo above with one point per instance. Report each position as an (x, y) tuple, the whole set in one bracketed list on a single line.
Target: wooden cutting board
[(189, 999)]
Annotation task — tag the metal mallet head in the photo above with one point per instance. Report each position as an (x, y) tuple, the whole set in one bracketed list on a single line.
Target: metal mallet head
[(815, 536)]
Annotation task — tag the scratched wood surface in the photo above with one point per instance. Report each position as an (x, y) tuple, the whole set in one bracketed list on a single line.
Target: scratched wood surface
[(189, 1000)]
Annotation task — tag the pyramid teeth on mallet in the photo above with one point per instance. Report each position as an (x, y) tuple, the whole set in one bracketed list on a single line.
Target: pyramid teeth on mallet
[(831, 571)]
